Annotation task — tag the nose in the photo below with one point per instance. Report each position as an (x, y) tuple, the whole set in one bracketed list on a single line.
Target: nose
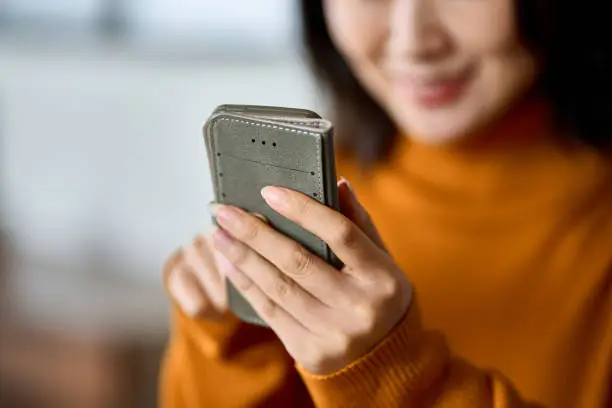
[(415, 32)]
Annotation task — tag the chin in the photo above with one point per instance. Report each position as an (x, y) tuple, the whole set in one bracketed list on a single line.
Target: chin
[(438, 131), (437, 137)]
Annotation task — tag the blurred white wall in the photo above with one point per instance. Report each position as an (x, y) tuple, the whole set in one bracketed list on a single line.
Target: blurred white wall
[(225, 26), (104, 154), (261, 23), (65, 9), (103, 171)]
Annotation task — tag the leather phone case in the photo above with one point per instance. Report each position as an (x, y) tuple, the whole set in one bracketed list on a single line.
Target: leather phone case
[(250, 147)]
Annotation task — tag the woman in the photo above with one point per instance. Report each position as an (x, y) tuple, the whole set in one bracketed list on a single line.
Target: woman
[(476, 133)]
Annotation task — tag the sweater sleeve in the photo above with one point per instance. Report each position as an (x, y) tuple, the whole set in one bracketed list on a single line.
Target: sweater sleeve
[(412, 368), (227, 364)]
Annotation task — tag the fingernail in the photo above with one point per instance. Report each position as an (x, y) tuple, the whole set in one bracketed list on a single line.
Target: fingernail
[(225, 265), (222, 241), (276, 197), (229, 270), (227, 217), (349, 185), (186, 293), (213, 207)]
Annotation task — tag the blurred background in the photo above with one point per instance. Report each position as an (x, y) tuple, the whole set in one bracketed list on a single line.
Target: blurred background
[(103, 174)]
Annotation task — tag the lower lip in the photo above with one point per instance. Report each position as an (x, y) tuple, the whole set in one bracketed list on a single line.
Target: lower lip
[(437, 95)]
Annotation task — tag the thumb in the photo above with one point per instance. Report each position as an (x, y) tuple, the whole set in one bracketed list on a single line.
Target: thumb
[(354, 211)]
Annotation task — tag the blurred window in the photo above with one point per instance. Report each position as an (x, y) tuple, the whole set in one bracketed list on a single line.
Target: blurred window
[(75, 10), (233, 25)]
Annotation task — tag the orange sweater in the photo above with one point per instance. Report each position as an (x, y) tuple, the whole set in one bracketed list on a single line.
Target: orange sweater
[(509, 247)]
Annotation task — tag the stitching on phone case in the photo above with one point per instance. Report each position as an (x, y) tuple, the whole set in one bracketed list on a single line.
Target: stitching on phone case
[(318, 125), (246, 122), (316, 122), (213, 125)]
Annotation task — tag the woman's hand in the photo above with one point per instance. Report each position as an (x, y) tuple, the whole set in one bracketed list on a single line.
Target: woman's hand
[(192, 277), (326, 318)]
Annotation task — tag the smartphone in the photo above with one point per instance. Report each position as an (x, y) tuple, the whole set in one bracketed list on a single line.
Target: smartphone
[(250, 147)]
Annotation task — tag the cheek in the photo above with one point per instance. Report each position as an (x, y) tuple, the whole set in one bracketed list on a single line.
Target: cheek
[(357, 31), (488, 37), (481, 30), (501, 57), (506, 67)]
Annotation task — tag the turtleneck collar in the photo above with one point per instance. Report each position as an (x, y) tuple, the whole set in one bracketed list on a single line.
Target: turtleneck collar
[(518, 163)]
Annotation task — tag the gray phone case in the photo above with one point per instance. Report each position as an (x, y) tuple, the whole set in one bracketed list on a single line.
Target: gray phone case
[(250, 147)]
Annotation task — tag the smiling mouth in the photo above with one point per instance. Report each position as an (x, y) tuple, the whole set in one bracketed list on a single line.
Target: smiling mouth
[(436, 90)]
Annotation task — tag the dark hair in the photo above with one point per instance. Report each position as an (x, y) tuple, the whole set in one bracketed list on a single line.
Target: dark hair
[(572, 37)]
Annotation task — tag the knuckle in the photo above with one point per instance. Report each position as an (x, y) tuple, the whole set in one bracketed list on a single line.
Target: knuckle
[(345, 233), (366, 319), (243, 284), (175, 258), (268, 309), (238, 255), (389, 289), (281, 288), (300, 262), (250, 231), (198, 243)]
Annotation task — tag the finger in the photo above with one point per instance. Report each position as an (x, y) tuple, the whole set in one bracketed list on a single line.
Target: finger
[(283, 323), (173, 261), (187, 293), (213, 205), (283, 291), (347, 241), (308, 270), (354, 211), (201, 260)]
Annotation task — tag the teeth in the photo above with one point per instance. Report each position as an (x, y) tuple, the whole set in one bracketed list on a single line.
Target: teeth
[(434, 86), (429, 82), (433, 91), (432, 79)]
